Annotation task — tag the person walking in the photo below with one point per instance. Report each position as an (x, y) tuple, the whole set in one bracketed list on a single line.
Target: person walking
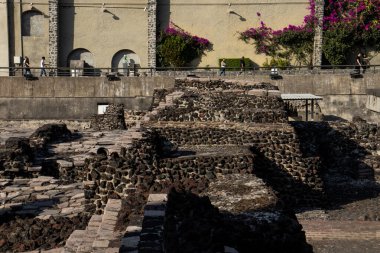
[(242, 65), (359, 62), (26, 64), (42, 66), (223, 66)]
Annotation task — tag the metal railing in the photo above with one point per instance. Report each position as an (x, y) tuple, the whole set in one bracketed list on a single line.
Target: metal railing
[(184, 71)]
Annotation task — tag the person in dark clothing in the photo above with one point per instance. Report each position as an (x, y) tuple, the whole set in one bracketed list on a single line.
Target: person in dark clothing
[(27, 66), (360, 63), (242, 65)]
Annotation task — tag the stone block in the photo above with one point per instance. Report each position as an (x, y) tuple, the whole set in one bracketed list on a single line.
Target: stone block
[(100, 244), (154, 213)]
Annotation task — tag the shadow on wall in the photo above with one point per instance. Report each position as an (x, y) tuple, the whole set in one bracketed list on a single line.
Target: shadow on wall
[(192, 224), (66, 29), (290, 182), (163, 17), (343, 159)]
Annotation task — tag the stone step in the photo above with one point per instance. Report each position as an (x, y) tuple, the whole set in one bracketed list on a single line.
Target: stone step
[(131, 239), (98, 233), (153, 223)]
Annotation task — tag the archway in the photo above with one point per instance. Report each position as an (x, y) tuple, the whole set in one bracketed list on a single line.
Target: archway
[(124, 59), (81, 58)]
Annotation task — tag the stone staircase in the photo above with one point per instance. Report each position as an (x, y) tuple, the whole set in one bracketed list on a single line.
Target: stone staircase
[(99, 234), (144, 234), (147, 236), (169, 99)]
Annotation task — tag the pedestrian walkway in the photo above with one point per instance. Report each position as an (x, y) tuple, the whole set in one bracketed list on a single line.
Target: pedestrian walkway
[(327, 236), (336, 230)]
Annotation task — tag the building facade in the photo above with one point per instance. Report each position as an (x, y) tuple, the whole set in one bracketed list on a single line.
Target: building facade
[(108, 34)]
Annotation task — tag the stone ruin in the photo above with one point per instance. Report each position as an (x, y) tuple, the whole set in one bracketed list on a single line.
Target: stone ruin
[(214, 166)]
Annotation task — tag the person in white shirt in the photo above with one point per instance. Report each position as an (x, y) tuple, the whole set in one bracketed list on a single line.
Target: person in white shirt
[(223, 66), (42, 66)]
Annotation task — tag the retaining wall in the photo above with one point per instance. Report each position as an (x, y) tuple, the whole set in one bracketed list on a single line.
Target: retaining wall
[(74, 97)]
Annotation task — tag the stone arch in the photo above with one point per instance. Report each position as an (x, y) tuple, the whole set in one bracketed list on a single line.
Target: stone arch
[(32, 23), (118, 60), (81, 54), (82, 58)]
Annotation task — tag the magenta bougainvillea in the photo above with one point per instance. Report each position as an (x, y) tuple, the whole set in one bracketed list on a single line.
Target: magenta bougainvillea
[(198, 41), (362, 14), (178, 48), (348, 25)]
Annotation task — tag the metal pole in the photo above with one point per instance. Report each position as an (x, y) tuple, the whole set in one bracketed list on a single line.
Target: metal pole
[(307, 111), (312, 109)]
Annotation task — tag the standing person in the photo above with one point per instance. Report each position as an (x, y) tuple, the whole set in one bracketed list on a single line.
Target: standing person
[(242, 65), (42, 66), (359, 62), (27, 66), (223, 66)]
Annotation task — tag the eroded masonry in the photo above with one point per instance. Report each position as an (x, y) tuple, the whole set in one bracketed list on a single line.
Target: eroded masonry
[(214, 166)]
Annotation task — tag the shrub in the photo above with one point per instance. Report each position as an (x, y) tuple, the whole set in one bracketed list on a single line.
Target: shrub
[(279, 63), (177, 48), (233, 64)]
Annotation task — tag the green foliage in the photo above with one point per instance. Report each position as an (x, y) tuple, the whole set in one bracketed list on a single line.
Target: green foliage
[(177, 48), (372, 39), (338, 43), (233, 64), (280, 63), (175, 51), (297, 45)]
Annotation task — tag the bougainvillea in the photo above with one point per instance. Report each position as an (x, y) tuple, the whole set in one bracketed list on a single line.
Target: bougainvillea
[(348, 26), (177, 48), (291, 42)]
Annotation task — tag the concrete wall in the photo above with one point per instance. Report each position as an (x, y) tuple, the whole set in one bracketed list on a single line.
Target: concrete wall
[(4, 39), (122, 26), (343, 97), (373, 103), (74, 97)]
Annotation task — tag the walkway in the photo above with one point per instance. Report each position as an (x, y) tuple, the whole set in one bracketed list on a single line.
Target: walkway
[(328, 236)]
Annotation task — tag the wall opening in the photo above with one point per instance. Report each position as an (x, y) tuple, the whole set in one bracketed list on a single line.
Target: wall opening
[(102, 108)]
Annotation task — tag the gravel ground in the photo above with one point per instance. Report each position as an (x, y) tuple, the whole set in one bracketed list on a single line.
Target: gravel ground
[(345, 246)]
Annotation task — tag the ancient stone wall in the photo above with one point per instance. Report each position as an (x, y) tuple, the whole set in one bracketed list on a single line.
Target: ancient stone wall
[(118, 175), (224, 107), (113, 118), (211, 85), (18, 156), (271, 154), (24, 234), (192, 224), (347, 148)]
